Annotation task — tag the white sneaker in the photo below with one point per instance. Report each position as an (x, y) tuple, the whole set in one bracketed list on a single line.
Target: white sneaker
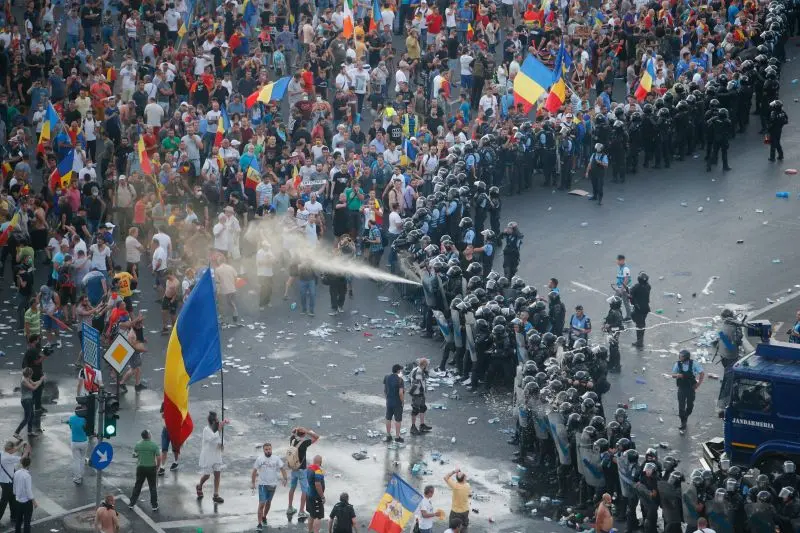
[(467, 381)]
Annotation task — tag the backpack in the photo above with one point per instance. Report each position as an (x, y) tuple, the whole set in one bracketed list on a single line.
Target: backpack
[(293, 455)]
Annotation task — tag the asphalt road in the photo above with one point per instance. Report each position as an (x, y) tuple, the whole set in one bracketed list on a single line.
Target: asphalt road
[(686, 251)]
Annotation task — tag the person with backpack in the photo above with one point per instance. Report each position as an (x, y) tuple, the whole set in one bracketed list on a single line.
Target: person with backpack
[(343, 516), (299, 441)]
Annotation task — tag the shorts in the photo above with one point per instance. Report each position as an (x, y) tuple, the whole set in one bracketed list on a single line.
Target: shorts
[(159, 277), (315, 508), (394, 411), (507, 10), (299, 475), (464, 517), (136, 361), (169, 305), (418, 405), (67, 295), (166, 444), (48, 324), (265, 493)]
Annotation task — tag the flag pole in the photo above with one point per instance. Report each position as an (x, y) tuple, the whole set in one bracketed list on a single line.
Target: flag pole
[(221, 369)]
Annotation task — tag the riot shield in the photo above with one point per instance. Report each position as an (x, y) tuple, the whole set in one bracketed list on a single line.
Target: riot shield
[(429, 289), (760, 517), (455, 317), (670, 497), (625, 478), (643, 493), (541, 423), (469, 338), (522, 352), (559, 432), (689, 500), (444, 326), (721, 516), (589, 461)]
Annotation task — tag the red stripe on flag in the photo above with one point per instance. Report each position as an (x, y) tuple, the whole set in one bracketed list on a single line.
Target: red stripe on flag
[(381, 523), (177, 428)]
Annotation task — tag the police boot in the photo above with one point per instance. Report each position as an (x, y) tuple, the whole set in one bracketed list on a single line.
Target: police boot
[(562, 484), (639, 338)]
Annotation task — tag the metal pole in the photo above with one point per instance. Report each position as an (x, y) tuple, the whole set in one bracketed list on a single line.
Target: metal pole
[(222, 390), (101, 398)]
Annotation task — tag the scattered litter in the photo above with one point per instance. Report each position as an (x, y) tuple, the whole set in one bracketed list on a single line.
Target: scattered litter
[(659, 311), (620, 199), (323, 331), (713, 376), (731, 291), (722, 200), (684, 204), (290, 393), (790, 171), (293, 306), (453, 440), (771, 301), (359, 456), (663, 445), (781, 194), (359, 371), (740, 241), (598, 243), (383, 298), (640, 381), (584, 224), (494, 420), (776, 261), (639, 407), (661, 419), (279, 422), (700, 209)]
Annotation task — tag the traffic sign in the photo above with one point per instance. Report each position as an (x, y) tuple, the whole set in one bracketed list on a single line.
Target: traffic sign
[(91, 345), (119, 353), (101, 457)]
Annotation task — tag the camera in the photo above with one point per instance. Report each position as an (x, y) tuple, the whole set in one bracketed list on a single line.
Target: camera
[(47, 349)]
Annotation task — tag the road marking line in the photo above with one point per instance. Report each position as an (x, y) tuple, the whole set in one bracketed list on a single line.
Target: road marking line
[(773, 305), (588, 288), (141, 514), (49, 506), (706, 290)]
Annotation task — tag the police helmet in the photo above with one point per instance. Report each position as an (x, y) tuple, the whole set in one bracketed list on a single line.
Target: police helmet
[(600, 445), (530, 368), (488, 235), (618, 124), (548, 339), (787, 493), (498, 331), (499, 320), (632, 456), (466, 222), (517, 282), (615, 302), (620, 415), (531, 389), (731, 485), (691, 99), (528, 292), (602, 353), (651, 454), (643, 277), (587, 406), (649, 468), (735, 472), (624, 443), (675, 479), (723, 113), (598, 423), (534, 339), (598, 147), (475, 269), (480, 293), (494, 191), (762, 481), (454, 272), (473, 283), (776, 104), (764, 496), (648, 109), (789, 467), (579, 344), (670, 462)]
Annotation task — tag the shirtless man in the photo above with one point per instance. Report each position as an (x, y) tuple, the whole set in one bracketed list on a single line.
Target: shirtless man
[(169, 304), (106, 520)]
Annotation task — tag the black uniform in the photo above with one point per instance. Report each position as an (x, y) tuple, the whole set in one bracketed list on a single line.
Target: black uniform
[(777, 120)]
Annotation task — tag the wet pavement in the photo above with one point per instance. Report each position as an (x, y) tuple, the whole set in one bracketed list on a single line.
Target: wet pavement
[(687, 251)]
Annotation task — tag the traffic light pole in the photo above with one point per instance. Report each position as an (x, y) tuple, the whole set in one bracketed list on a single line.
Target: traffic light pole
[(101, 399)]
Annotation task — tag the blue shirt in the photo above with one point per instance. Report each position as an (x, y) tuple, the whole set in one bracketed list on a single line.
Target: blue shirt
[(583, 322), (684, 367), (794, 336), (76, 426), (469, 237)]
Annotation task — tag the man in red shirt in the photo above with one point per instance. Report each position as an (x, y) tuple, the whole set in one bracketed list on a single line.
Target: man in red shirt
[(435, 22)]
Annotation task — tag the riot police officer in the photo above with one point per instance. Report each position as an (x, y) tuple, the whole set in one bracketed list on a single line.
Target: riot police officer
[(689, 375), (617, 151), (613, 325), (640, 299), (777, 120), (557, 313), (596, 169), (566, 157), (728, 346), (722, 130), (511, 249), (547, 146)]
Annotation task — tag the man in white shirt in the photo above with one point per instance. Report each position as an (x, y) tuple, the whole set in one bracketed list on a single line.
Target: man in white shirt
[(266, 470), (23, 492), (9, 460), (153, 113), (159, 265), (164, 241), (426, 511)]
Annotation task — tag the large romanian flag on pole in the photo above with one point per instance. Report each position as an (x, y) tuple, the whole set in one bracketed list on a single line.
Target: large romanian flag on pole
[(193, 354), (558, 92), (398, 505), (48, 128), (646, 83), (531, 82), (273, 91)]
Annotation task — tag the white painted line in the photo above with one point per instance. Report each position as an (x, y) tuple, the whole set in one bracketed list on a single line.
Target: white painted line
[(588, 288), (175, 524), (758, 312), (49, 506), (141, 514)]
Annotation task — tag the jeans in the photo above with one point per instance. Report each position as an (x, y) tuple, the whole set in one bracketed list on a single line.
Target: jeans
[(93, 225), (266, 290), (78, 456), (308, 294), (24, 514), (27, 419), (148, 473), (392, 260)]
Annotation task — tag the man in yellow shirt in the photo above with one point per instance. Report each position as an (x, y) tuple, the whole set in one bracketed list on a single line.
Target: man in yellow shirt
[(124, 280), (459, 507)]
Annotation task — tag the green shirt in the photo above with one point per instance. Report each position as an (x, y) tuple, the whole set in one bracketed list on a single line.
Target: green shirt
[(33, 319), (170, 144), (353, 201), (147, 451)]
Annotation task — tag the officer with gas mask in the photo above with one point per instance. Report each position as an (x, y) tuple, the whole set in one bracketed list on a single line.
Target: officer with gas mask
[(728, 345)]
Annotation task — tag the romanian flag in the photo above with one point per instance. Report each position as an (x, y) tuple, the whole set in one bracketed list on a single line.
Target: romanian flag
[(349, 23), (8, 228), (144, 159), (223, 127), (270, 92), (48, 127), (182, 29), (193, 354), (532, 81), (398, 505), (6, 169), (64, 169), (600, 18), (646, 83), (376, 15), (558, 92), (248, 11), (470, 32), (253, 174)]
